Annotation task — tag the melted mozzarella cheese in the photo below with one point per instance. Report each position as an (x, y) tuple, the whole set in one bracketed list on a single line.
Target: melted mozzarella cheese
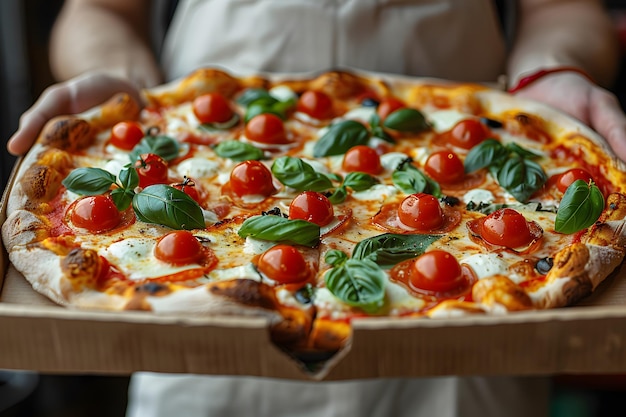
[(378, 192), (478, 195), (486, 264), (444, 120), (391, 160), (198, 168), (246, 271)]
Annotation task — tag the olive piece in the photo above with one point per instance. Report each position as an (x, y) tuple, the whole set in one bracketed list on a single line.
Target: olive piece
[(304, 295), (544, 265), (492, 123), (369, 102)]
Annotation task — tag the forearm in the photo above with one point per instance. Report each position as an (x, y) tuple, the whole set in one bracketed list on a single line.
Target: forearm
[(90, 35), (556, 33)]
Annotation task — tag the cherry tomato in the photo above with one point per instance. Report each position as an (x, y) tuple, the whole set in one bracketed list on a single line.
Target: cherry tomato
[(125, 135), (445, 167), (312, 207), (152, 169), (251, 178), (436, 270), (283, 263), (363, 159), (506, 227), (468, 133), (212, 108), (179, 248), (316, 104), (95, 213), (388, 106), (266, 128), (568, 177), (188, 186), (421, 211)]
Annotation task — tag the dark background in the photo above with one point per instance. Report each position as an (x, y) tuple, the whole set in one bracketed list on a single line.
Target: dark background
[(24, 74)]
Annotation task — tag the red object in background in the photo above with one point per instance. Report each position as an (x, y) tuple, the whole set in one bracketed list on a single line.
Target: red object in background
[(620, 24)]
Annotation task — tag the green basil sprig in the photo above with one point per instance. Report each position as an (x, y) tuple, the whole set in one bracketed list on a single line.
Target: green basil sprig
[(358, 181), (377, 130), (511, 165), (89, 181), (357, 282), (407, 120), (168, 206), (340, 137), (581, 206), (297, 174), (521, 177), (238, 151), (410, 180), (159, 204), (258, 101), (164, 146), (389, 249), (280, 229)]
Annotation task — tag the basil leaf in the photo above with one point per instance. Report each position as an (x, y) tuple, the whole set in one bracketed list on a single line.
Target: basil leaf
[(164, 146), (122, 198), (238, 151), (521, 177), (167, 206), (406, 120), (410, 180), (280, 229), (389, 249), (359, 283), (359, 181), (129, 178), (523, 152), (297, 174), (253, 94), (339, 195), (581, 206), (335, 257), (486, 153), (212, 127), (340, 137), (377, 130), (89, 181)]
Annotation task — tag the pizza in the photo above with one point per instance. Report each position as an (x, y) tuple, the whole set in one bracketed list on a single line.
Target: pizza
[(317, 200)]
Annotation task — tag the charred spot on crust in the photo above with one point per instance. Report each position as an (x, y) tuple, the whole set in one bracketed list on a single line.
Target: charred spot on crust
[(81, 266), (41, 182), (576, 289), (69, 134), (247, 292)]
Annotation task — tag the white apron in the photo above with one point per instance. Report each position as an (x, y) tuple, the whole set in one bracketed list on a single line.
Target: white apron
[(453, 39)]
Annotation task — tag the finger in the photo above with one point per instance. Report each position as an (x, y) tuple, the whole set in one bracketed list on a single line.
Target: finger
[(608, 119)]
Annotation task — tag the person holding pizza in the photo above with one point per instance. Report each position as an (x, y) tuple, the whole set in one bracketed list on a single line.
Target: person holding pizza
[(561, 52)]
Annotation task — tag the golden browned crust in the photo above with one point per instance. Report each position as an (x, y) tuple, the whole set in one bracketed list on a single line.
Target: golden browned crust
[(119, 108), (455, 96), (329, 335), (40, 183), (499, 290), (81, 267), (67, 133)]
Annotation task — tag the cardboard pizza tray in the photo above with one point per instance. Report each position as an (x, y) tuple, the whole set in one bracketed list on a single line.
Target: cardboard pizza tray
[(36, 334)]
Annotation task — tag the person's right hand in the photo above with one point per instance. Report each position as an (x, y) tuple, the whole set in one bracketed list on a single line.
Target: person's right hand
[(70, 97)]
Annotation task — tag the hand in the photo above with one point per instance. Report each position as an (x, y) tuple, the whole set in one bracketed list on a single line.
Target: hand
[(70, 97), (576, 95)]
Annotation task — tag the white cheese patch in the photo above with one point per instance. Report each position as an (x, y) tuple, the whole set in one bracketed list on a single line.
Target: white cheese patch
[(486, 264), (254, 246), (444, 120), (378, 192), (283, 93), (478, 195), (391, 160), (198, 168), (363, 114), (247, 271), (135, 258)]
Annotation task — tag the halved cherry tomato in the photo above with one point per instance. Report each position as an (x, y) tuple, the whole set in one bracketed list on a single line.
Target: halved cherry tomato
[(266, 128), (283, 263), (316, 104), (468, 133), (125, 135), (152, 169), (421, 211), (362, 158), (388, 106), (251, 178), (445, 167), (506, 227), (212, 108), (188, 186), (95, 213), (436, 270), (179, 248), (312, 207), (568, 177)]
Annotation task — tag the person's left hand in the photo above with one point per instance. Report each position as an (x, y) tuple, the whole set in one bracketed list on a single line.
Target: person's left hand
[(576, 95)]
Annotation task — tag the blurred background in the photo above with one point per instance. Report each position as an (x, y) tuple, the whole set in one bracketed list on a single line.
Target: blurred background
[(24, 75)]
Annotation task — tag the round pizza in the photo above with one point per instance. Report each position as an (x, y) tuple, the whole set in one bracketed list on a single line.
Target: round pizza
[(315, 201)]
